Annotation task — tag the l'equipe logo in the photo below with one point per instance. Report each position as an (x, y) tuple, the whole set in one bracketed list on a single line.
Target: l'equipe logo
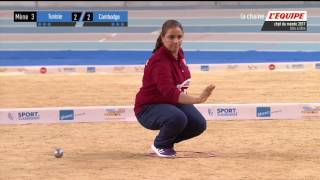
[(285, 21)]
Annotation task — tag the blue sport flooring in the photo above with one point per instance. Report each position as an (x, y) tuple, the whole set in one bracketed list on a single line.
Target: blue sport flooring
[(34, 58)]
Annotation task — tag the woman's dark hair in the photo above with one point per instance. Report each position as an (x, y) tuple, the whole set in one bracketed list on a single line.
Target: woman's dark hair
[(166, 25)]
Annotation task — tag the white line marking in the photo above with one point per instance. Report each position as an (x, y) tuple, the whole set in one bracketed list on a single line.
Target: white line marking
[(155, 32), (101, 40), (113, 34)]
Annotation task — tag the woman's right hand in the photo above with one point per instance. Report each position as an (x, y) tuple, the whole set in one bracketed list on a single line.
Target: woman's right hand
[(206, 93)]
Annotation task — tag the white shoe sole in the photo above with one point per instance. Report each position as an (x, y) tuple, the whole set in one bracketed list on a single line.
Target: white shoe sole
[(161, 155)]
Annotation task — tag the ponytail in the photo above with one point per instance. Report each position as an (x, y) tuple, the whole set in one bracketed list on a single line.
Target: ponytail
[(158, 44)]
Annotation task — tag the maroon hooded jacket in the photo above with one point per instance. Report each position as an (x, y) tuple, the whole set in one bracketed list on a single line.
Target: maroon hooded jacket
[(164, 79)]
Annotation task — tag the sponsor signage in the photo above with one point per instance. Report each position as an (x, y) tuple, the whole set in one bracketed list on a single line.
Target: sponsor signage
[(28, 115), (263, 112), (91, 69), (204, 68), (115, 113), (69, 69), (66, 115), (310, 112), (226, 111)]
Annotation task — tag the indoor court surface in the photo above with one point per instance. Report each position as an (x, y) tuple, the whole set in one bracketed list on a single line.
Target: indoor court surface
[(264, 149)]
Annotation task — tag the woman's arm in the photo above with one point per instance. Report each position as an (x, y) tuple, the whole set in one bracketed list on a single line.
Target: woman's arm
[(187, 99)]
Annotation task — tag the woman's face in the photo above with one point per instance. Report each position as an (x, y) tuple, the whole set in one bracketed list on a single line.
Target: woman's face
[(172, 40)]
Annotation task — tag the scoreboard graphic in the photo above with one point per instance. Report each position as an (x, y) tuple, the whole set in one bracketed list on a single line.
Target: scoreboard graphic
[(71, 18)]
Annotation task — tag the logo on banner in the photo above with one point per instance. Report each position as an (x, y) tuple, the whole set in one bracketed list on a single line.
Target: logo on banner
[(232, 67), (3, 69), (24, 116), (252, 67), (210, 112), (21, 69), (69, 69), (204, 68), (263, 111), (91, 69), (295, 66), (117, 69), (227, 112), (114, 113), (285, 21), (311, 112), (272, 67), (66, 115), (138, 69), (43, 70)]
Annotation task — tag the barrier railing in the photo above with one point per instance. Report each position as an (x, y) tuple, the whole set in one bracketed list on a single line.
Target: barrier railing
[(287, 66), (262, 111)]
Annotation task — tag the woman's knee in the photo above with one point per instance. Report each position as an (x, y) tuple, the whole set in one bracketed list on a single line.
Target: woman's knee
[(178, 120), (201, 126)]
